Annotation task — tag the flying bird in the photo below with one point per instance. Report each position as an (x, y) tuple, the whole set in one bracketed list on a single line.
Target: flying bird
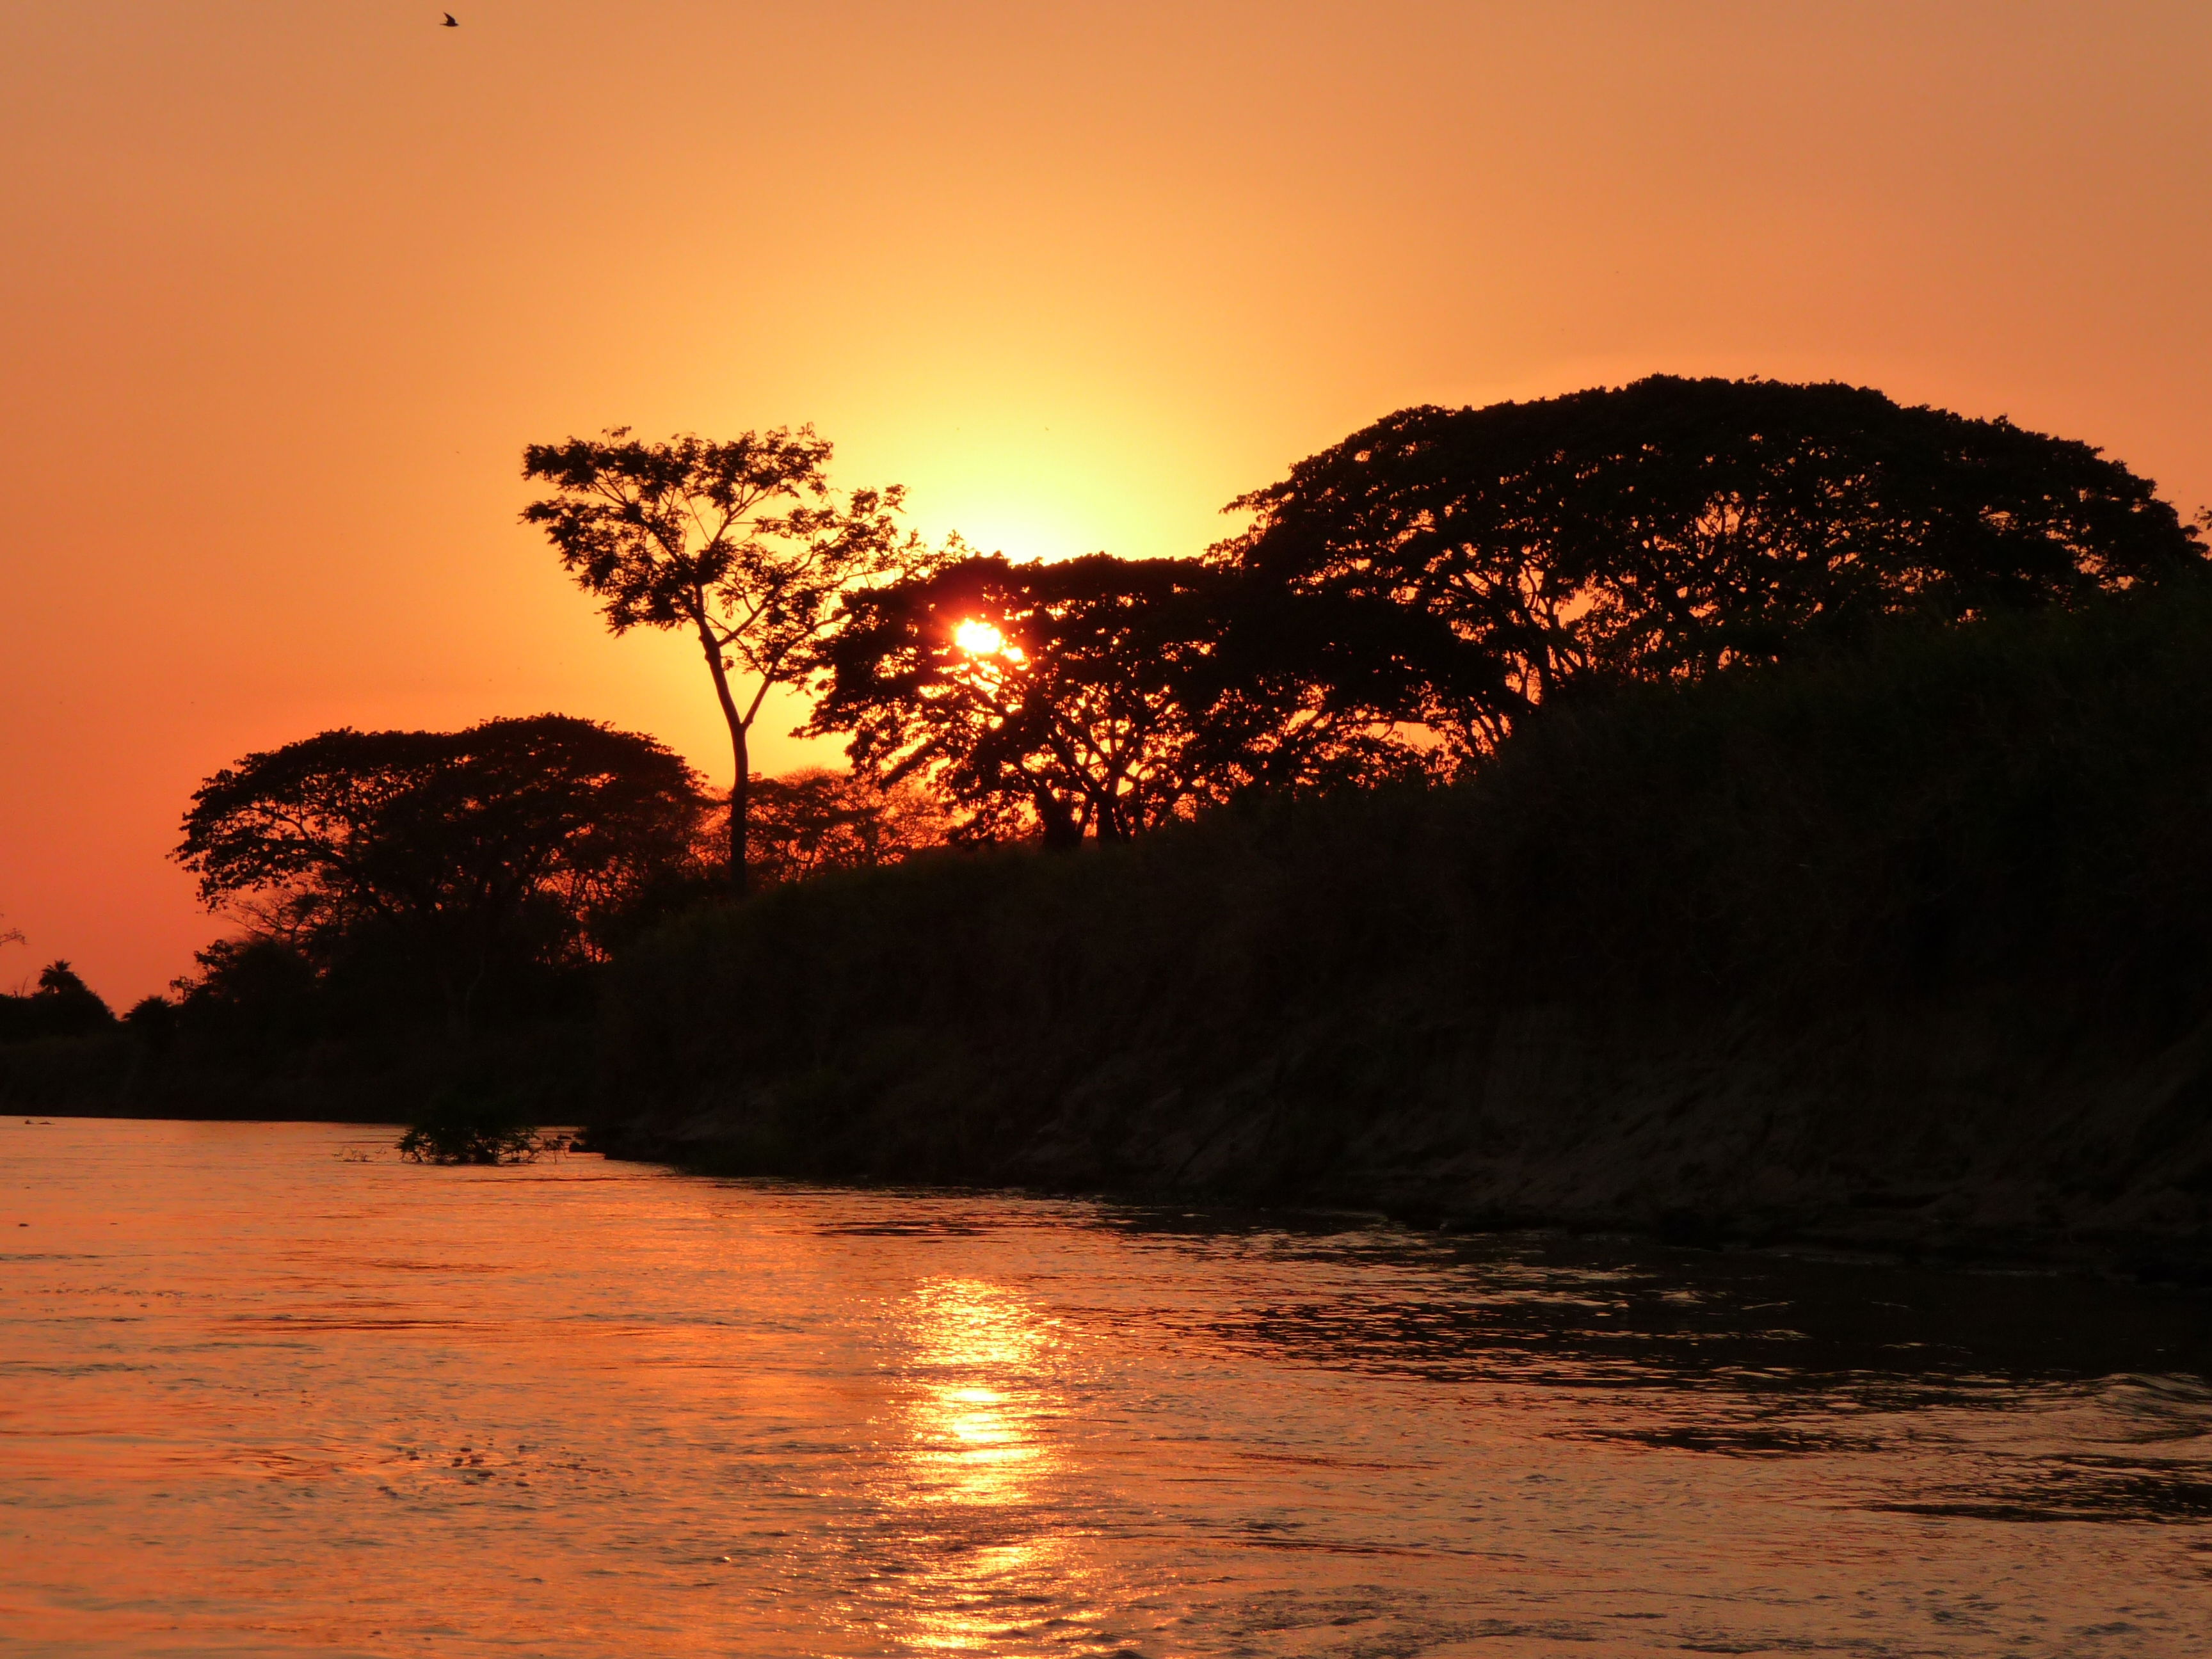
[(450, 23)]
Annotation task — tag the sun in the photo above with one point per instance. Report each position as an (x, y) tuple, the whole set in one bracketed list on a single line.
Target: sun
[(979, 639)]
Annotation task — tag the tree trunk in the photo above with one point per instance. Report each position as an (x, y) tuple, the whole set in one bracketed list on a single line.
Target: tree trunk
[(741, 792), (741, 785), (1060, 828)]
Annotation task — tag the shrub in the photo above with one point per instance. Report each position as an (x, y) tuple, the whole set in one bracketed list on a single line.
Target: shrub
[(458, 1127)]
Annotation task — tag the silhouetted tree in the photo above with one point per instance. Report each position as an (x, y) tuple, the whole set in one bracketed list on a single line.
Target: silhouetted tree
[(506, 844), (153, 1020), (1672, 527), (258, 993), (742, 544), (1101, 696), (1288, 691), (61, 1006), (807, 822)]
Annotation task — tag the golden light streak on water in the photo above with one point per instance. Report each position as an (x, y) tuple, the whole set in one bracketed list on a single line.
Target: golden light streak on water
[(259, 1398)]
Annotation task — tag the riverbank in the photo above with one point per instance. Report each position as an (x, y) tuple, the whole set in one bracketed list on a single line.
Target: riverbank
[(547, 1071), (1908, 950)]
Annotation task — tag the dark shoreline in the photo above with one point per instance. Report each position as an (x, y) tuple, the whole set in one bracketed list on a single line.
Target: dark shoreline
[(2152, 1260), (1907, 950), (1894, 1226)]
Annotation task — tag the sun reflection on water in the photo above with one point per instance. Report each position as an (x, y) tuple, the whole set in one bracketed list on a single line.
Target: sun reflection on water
[(981, 1367), (974, 1458)]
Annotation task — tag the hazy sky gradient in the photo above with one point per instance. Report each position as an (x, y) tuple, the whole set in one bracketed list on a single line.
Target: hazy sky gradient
[(285, 289)]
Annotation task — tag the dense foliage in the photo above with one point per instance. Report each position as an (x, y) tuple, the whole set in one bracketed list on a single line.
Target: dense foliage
[(1102, 697), (1400, 606), (1670, 528), (1402, 601), (2004, 822), (807, 822), (453, 858)]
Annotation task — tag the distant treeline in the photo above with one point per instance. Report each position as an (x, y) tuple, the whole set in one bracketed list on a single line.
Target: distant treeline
[(1395, 614)]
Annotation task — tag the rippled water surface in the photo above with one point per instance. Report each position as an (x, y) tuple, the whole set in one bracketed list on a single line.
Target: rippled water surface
[(265, 1389)]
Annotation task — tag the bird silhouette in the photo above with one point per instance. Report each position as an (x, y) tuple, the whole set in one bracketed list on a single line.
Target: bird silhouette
[(450, 23)]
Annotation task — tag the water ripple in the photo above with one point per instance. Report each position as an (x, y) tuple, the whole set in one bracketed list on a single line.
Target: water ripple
[(270, 1391)]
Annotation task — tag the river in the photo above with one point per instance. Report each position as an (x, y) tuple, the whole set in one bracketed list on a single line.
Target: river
[(266, 1389)]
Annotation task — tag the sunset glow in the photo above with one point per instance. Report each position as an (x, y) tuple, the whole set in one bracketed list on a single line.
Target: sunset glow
[(297, 285), (981, 638), (874, 830)]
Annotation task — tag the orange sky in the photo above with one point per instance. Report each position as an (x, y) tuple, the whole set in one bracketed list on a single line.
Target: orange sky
[(285, 289)]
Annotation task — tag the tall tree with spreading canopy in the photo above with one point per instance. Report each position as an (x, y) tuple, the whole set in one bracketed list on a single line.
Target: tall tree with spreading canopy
[(1666, 529), (742, 544), (510, 843)]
